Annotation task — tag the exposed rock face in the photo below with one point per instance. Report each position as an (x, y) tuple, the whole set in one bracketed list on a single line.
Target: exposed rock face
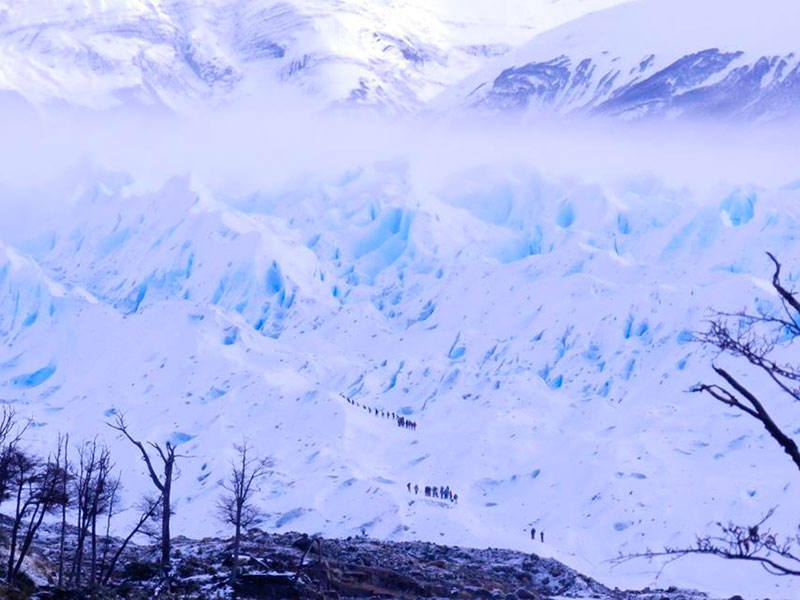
[(700, 84), (294, 566)]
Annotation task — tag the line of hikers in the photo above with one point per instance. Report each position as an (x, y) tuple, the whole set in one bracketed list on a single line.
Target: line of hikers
[(407, 423), (431, 491), (383, 414)]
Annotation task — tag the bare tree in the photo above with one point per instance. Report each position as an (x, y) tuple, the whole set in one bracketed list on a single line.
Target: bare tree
[(236, 506), (758, 339), (11, 432), (29, 482), (103, 496), (162, 482), (111, 510), (93, 487), (148, 509), (63, 450), (22, 475), (37, 491)]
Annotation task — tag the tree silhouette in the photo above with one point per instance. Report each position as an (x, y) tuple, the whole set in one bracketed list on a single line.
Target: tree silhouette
[(163, 482), (755, 339), (235, 506)]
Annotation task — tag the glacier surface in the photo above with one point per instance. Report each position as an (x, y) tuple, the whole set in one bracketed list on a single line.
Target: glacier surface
[(536, 328)]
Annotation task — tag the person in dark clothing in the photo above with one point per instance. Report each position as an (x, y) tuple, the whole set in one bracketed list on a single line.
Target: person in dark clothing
[(541, 534), (427, 490), (408, 485), (455, 498), (533, 534), (416, 489)]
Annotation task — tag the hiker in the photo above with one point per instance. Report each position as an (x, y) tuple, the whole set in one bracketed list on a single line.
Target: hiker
[(408, 485), (416, 489), (541, 533), (427, 490), (455, 498), (533, 533), (435, 492)]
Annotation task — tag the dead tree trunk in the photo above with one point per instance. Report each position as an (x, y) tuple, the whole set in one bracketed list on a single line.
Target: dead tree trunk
[(236, 504), (162, 483), (63, 443)]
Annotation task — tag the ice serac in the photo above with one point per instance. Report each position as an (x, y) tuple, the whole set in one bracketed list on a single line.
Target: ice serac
[(651, 58)]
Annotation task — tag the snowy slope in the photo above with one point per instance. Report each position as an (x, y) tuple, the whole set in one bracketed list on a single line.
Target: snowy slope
[(534, 328), (175, 53), (718, 58)]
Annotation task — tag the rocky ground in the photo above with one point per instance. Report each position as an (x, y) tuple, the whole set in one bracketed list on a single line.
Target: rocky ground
[(294, 566)]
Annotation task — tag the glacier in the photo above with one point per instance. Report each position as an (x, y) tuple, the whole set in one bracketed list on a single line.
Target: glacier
[(536, 327)]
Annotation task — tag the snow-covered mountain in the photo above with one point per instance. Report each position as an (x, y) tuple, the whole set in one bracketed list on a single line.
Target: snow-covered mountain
[(174, 53), (536, 329), (729, 59), (717, 58)]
